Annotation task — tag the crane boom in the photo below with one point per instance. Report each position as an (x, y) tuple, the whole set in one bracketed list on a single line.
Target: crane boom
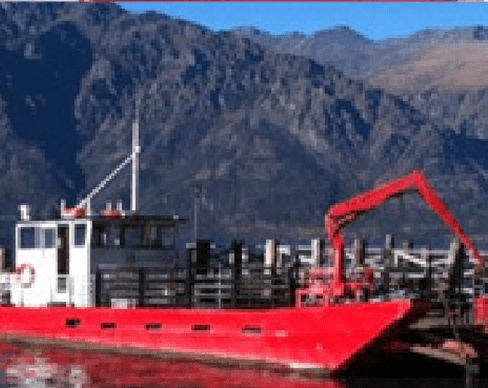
[(342, 214)]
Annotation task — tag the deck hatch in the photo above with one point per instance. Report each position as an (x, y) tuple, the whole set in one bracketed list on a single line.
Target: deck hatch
[(108, 325), (73, 322), (200, 328)]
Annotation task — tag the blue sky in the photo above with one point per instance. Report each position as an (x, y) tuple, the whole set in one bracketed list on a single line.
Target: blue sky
[(374, 20)]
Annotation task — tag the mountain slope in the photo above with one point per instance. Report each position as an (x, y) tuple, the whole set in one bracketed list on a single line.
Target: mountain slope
[(274, 139), (451, 59)]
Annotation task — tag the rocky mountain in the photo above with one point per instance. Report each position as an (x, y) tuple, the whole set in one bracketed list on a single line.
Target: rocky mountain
[(273, 138), (415, 62), (340, 47), (440, 72)]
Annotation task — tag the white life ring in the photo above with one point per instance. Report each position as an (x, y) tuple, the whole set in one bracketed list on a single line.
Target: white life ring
[(20, 277)]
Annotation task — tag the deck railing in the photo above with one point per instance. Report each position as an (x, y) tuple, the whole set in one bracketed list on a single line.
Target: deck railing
[(219, 286), (256, 281)]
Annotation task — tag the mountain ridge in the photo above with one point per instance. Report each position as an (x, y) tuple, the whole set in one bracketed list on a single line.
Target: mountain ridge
[(274, 138)]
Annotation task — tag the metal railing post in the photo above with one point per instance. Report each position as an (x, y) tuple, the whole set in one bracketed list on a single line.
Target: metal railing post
[(142, 279), (98, 287)]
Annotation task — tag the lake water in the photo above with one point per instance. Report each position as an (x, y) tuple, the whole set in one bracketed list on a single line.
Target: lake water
[(44, 366)]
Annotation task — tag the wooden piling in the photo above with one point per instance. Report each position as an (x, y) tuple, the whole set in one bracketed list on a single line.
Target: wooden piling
[(359, 249), (142, 278), (190, 280), (427, 257), (387, 259), (271, 262), (98, 288), (317, 252), (236, 249)]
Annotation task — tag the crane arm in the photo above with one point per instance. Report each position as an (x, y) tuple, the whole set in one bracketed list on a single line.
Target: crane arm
[(344, 213)]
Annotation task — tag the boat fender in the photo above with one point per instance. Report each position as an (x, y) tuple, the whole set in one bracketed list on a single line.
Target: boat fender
[(20, 277)]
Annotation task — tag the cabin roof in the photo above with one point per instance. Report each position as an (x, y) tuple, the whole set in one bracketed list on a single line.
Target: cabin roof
[(123, 220), (139, 220)]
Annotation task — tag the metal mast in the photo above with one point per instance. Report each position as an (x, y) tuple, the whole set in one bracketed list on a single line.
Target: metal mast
[(198, 193), (136, 149), (134, 158)]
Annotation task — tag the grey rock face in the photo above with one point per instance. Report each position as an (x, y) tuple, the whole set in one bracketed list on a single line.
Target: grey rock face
[(273, 138)]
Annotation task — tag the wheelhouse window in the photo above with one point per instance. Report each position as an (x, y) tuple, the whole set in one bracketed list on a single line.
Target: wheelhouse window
[(137, 234), (80, 235), (133, 237), (112, 236), (98, 235), (49, 238), (27, 237), (106, 236)]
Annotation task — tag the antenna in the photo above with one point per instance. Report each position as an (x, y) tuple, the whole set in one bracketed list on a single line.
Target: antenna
[(136, 149)]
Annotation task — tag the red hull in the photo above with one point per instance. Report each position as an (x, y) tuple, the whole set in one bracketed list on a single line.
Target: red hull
[(326, 337)]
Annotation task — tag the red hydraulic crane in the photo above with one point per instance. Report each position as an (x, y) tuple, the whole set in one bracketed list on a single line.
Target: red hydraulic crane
[(341, 214)]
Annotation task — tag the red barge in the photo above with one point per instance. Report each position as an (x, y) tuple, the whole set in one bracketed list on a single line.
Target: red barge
[(333, 320)]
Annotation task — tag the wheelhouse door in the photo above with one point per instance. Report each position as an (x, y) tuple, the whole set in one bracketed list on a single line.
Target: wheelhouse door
[(63, 250)]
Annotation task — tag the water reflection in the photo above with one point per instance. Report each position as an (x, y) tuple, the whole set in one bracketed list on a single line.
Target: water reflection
[(46, 367), (34, 371)]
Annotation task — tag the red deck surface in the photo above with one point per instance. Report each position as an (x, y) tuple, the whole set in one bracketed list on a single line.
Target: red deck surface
[(321, 337)]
